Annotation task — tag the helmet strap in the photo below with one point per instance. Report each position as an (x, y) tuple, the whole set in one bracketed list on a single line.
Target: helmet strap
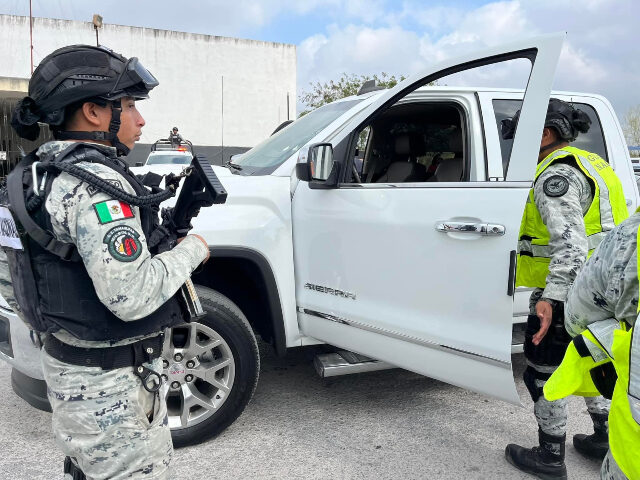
[(98, 136), (114, 127)]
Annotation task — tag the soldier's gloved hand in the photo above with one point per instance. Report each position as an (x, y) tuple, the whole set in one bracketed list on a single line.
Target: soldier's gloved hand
[(544, 311), (202, 240)]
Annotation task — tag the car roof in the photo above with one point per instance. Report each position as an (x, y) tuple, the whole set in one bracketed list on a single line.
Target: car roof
[(461, 89), (170, 152)]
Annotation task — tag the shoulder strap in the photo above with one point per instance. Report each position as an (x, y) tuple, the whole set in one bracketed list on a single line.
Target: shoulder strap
[(124, 172), (15, 190), (148, 212), (142, 198)]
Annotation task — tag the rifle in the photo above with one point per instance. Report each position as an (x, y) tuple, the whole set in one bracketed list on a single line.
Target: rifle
[(201, 188)]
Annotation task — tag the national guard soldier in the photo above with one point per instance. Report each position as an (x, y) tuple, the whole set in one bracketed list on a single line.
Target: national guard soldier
[(576, 198), (175, 138), (604, 357), (86, 275)]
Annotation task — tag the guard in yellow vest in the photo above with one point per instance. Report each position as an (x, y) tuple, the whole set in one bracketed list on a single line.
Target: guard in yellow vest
[(604, 357), (576, 198)]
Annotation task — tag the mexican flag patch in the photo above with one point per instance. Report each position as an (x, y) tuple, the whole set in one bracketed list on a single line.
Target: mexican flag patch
[(112, 210)]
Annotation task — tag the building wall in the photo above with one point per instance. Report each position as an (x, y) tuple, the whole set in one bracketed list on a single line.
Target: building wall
[(191, 69)]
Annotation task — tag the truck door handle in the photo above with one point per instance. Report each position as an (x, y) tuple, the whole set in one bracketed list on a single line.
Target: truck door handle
[(492, 229)]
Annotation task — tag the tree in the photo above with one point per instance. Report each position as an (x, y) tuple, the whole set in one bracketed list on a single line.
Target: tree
[(349, 84), (632, 128)]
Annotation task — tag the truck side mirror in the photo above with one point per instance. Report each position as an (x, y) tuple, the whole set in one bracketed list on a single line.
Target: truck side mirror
[(139, 164), (320, 169)]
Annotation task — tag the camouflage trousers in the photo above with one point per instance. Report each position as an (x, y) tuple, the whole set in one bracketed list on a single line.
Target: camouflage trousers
[(107, 422), (552, 416), (610, 469)]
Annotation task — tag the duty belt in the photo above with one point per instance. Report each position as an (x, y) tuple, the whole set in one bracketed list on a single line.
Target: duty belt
[(108, 358)]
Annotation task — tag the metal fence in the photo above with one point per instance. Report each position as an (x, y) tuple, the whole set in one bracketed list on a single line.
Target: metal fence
[(12, 147)]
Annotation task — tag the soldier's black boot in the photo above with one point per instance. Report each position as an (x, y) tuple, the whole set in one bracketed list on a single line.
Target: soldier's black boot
[(545, 461), (596, 445), (72, 471)]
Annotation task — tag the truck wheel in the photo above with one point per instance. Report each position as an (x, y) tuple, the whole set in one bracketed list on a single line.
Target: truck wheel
[(211, 367)]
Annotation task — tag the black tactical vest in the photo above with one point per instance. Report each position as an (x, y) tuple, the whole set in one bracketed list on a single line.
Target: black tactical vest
[(51, 284)]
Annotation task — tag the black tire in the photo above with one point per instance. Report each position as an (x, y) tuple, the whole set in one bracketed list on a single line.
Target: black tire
[(228, 321)]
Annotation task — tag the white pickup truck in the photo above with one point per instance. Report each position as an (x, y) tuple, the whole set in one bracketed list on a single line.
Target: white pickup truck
[(384, 224)]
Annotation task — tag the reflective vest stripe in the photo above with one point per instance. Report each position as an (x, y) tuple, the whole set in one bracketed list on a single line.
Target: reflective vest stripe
[(633, 393), (603, 332), (634, 375), (526, 247), (606, 208)]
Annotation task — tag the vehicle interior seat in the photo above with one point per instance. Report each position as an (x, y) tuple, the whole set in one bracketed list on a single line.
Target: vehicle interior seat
[(405, 167), (452, 169)]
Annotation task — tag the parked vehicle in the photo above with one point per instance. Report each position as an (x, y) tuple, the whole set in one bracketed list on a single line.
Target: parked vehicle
[(404, 258), (164, 153)]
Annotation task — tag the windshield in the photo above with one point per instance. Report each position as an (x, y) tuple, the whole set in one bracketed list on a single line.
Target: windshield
[(268, 155), (168, 158)]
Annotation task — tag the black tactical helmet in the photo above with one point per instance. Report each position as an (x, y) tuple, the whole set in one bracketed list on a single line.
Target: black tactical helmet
[(175, 129), (79, 73), (567, 121)]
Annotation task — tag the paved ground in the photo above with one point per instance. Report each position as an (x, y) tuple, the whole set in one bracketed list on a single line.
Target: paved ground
[(382, 425)]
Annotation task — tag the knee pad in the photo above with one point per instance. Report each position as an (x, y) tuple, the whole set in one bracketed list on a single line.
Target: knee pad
[(530, 376)]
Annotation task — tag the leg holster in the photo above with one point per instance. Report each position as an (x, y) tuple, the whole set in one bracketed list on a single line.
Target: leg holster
[(530, 376), (553, 346)]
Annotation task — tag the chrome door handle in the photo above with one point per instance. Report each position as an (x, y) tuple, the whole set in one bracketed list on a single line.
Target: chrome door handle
[(488, 229)]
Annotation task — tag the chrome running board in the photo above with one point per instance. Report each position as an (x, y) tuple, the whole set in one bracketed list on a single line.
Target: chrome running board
[(344, 362)]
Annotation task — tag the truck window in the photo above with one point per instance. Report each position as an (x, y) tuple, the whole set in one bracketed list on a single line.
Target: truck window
[(592, 141), (268, 155), (413, 142)]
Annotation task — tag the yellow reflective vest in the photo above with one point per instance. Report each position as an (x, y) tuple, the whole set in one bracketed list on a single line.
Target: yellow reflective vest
[(608, 209), (604, 342)]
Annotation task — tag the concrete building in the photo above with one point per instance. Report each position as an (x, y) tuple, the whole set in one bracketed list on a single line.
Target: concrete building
[(224, 94)]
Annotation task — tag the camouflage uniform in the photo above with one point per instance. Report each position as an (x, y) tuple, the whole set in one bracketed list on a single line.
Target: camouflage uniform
[(607, 288), (112, 426), (564, 218)]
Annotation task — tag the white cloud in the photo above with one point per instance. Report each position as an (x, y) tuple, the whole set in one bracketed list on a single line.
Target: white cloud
[(369, 36), (356, 49), (599, 55)]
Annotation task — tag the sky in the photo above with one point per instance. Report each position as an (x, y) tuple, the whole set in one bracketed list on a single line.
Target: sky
[(401, 37)]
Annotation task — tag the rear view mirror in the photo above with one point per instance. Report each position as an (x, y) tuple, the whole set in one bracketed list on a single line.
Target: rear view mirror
[(139, 164), (320, 168), (321, 161)]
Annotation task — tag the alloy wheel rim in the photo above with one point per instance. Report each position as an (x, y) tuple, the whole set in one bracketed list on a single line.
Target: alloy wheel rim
[(199, 370)]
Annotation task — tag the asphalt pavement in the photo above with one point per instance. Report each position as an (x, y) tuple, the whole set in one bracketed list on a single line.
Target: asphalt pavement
[(392, 424)]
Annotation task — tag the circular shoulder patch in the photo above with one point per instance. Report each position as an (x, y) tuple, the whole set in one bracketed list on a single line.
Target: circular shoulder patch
[(556, 186), (123, 243)]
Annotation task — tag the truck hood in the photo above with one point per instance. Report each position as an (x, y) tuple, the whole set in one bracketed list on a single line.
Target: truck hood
[(266, 191), (175, 169)]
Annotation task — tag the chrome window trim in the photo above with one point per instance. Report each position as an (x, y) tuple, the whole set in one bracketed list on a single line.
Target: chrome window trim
[(433, 185)]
